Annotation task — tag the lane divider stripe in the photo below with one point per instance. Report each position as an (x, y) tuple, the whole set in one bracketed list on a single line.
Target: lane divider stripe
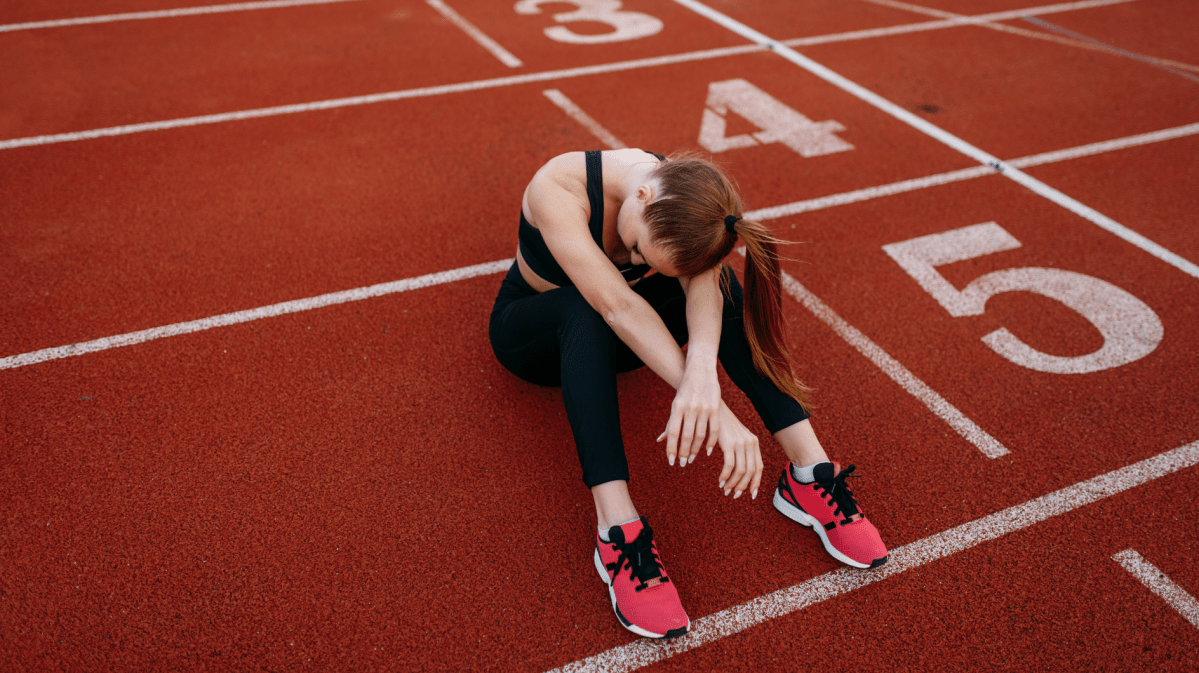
[(352, 101), (1157, 582), (933, 548), (990, 447), (587, 121), (496, 267), (479, 85), (1074, 40), (1169, 66), (952, 21), (797, 207), (936, 132), (166, 13), (475, 34), (248, 315)]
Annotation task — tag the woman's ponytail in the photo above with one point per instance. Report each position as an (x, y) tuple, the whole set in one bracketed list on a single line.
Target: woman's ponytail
[(696, 218), (765, 328)]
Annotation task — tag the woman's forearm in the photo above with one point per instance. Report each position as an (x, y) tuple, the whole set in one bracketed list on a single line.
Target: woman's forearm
[(705, 312), (642, 330)]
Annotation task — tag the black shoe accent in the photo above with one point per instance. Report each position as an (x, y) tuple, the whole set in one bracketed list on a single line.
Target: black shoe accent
[(830, 525), (639, 556), (879, 561), (833, 485), (675, 633)]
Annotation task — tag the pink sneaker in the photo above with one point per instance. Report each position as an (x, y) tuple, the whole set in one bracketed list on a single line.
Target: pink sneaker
[(643, 597), (828, 507)]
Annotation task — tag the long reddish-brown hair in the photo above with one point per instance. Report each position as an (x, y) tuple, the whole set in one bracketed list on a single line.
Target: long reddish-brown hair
[(695, 196)]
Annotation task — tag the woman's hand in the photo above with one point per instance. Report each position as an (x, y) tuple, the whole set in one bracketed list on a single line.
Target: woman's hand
[(742, 457), (695, 412)]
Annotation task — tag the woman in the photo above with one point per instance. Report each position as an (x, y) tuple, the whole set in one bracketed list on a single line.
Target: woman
[(577, 307)]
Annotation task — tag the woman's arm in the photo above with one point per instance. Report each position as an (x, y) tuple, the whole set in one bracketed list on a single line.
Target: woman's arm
[(698, 397), (562, 220)]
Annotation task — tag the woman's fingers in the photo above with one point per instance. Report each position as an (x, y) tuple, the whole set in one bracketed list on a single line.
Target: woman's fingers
[(727, 471), (752, 459), (672, 434), (686, 439), (702, 430), (735, 481), (757, 480), (713, 431)]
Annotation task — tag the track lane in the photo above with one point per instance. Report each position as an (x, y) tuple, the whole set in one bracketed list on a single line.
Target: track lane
[(1149, 189), (84, 77), (1158, 28), (363, 451), (278, 209), (318, 420), (1075, 422), (1021, 96), (1049, 596)]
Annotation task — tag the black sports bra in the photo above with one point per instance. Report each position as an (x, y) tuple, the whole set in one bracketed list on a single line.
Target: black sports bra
[(538, 256)]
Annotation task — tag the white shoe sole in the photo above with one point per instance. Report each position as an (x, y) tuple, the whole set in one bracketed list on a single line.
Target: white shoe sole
[(804, 519), (603, 573)]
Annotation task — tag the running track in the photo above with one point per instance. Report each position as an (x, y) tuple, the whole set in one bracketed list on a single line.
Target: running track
[(250, 417)]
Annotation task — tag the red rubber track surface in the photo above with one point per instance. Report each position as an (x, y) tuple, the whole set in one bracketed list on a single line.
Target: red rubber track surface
[(363, 487)]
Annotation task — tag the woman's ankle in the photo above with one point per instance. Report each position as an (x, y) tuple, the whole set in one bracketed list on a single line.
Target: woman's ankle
[(613, 506)]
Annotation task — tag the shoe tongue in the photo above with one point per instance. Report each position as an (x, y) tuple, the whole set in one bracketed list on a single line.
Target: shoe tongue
[(626, 532), (825, 471)]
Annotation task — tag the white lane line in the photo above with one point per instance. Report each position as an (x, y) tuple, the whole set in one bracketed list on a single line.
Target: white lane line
[(990, 447), (576, 113), (1075, 39), (1011, 172), (1169, 66), (351, 101), (951, 21), (1157, 582), (226, 319), (484, 84), (762, 214), (477, 35), (166, 13), (738, 618), (867, 193)]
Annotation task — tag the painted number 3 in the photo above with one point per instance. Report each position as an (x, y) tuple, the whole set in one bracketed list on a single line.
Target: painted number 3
[(1130, 329), (625, 25)]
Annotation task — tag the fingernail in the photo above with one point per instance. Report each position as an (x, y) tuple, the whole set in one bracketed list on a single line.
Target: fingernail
[(709, 450), (660, 437), (671, 459), (722, 486), (755, 495), (683, 462), (726, 491), (737, 495)]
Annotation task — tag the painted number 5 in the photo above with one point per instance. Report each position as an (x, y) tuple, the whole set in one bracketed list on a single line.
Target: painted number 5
[(1130, 329), (625, 25)]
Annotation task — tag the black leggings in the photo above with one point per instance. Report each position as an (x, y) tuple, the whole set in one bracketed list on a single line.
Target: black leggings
[(556, 338)]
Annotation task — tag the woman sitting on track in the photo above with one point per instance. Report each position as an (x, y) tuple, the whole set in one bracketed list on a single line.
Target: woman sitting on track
[(576, 308)]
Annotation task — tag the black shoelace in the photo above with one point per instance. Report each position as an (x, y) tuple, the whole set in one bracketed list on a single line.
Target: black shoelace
[(842, 497), (641, 559)]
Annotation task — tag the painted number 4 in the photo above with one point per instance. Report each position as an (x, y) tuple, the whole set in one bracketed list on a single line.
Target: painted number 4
[(778, 123), (1130, 329)]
